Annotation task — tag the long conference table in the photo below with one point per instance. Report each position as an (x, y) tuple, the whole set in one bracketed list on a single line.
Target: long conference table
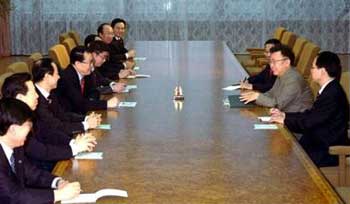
[(197, 151)]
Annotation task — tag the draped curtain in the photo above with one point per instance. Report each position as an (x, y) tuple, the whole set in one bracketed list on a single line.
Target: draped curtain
[(5, 36), (36, 24)]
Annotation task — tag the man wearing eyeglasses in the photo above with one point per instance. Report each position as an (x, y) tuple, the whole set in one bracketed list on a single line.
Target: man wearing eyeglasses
[(290, 91)]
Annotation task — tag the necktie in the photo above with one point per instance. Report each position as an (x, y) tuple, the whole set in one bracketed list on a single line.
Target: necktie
[(12, 163), (82, 85)]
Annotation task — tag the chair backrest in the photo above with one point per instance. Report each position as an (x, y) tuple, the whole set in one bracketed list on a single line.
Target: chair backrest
[(75, 36), (59, 55), (279, 33), (344, 81), (298, 48), (18, 67), (62, 37), (288, 39), (307, 56), (3, 77), (313, 86), (32, 58), (69, 44)]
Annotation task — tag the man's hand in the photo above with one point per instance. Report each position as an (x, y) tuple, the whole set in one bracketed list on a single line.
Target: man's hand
[(118, 87), (249, 96), (129, 64), (113, 102), (67, 192), (131, 53), (124, 73), (246, 85), (93, 120), (277, 116), (85, 142)]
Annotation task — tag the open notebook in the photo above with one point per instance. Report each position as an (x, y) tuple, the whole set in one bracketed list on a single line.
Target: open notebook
[(93, 197)]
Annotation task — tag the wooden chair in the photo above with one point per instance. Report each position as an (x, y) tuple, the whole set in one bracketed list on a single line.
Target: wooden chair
[(313, 86), (3, 77), (69, 44), (75, 36), (289, 39), (344, 81), (307, 56), (59, 55), (278, 33), (18, 67), (62, 37), (298, 48), (32, 58)]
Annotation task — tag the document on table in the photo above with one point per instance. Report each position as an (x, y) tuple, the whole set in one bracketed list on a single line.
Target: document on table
[(136, 68), (90, 155), (140, 58), (104, 127), (265, 127), (231, 87), (264, 118), (131, 87), (93, 197), (127, 104)]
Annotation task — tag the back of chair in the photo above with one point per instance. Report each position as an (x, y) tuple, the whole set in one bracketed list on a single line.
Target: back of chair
[(62, 37), (69, 44), (18, 67), (75, 36), (279, 33), (59, 55), (3, 77), (344, 81), (288, 39), (298, 48), (32, 58), (307, 56), (313, 86)]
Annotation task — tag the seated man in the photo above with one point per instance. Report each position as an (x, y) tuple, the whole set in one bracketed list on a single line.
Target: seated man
[(325, 124), (113, 68), (120, 52), (21, 182), (95, 83), (71, 86), (290, 91), (44, 153), (263, 81), (49, 112)]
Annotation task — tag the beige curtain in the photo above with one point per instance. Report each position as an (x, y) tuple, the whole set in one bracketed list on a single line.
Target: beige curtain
[(5, 38)]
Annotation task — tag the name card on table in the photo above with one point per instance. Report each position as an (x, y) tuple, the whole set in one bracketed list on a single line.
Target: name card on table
[(93, 197)]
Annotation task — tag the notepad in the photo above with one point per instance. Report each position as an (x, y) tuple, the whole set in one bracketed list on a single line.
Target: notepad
[(231, 88), (93, 197), (104, 127), (127, 104), (236, 103), (90, 155), (265, 127), (264, 118), (140, 58), (136, 68), (129, 87)]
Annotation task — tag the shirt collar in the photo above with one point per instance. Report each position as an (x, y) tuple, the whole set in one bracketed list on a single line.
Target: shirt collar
[(8, 151), (43, 91), (80, 76), (117, 38), (324, 86)]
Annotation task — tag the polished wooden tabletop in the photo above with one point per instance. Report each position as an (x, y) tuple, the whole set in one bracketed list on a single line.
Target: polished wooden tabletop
[(197, 151)]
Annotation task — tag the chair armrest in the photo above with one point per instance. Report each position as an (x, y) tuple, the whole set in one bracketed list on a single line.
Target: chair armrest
[(339, 150)]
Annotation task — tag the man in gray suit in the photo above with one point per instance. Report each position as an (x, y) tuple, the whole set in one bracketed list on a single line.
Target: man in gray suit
[(290, 91)]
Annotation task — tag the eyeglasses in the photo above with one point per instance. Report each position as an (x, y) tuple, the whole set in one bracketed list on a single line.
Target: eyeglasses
[(273, 62)]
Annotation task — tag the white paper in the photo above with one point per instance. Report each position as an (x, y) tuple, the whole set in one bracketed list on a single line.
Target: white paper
[(231, 88), (90, 155), (264, 118), (127, 104), (136, 68), (93, 197), (142, 76), (126, 90), (131, 87), (265, 127), (140, 58)]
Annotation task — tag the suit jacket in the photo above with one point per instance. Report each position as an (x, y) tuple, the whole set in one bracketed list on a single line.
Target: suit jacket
[(324, 125), (28, 185), (51, 115), (289, 93), (117, 50), (71, 97), (263, 81), (112, 66), (96, 84)]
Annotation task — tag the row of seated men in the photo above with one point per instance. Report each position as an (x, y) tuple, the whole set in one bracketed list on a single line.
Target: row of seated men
[(41, 114), (317, 124)]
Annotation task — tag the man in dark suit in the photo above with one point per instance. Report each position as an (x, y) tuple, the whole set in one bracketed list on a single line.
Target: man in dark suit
[(263, 81), (71, 85), (95, 83), (49, 112), (114, 68), (21, 182), (326, 123), (120, 52), (44, 146)]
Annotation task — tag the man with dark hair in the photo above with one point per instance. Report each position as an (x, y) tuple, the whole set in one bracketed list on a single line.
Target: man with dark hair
[(49, 112), (325, 124), (265, 79), (290, 91), (90, 38), (96, 83), (57, 146), (114, 68), (119, 27), (71, 86), (21, 182)]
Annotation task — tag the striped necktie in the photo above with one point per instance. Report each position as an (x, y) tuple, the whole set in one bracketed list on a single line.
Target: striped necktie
[(12, 163)]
